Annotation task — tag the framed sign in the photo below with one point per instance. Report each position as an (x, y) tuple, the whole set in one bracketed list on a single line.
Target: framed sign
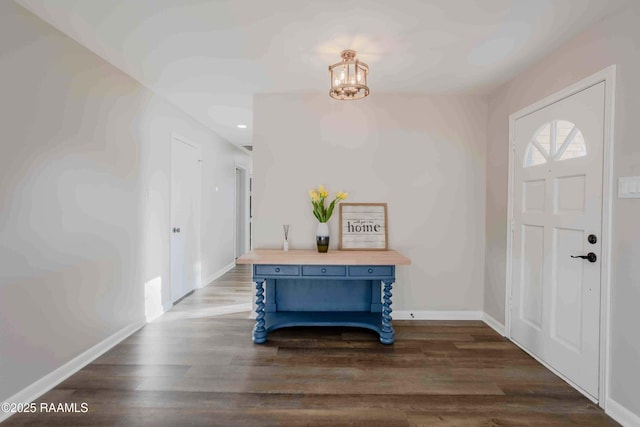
[(363, 226)]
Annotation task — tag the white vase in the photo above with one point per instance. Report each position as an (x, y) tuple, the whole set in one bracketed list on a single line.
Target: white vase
[(322, 237)]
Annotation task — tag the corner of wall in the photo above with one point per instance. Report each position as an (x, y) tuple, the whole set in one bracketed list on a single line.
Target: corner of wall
[(621, 414)]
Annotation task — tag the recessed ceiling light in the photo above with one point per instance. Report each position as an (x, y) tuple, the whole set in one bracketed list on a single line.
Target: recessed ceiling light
[(241, 126)]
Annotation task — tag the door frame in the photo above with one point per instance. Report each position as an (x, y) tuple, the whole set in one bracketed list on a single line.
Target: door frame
[(179, 138), (608, 76), (245, 214)]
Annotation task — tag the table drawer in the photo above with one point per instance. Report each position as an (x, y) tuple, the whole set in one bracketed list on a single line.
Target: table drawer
[(277, 270), (373, 270), (319, 270)]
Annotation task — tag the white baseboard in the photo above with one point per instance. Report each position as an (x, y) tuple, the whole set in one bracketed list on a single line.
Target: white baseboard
[(444, 315), (436, 315), (425, 315), (494, 324), (622, 414), (49, 381), (218, 274)]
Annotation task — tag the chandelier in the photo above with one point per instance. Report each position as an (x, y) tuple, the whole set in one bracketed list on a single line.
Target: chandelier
[(349, 77)]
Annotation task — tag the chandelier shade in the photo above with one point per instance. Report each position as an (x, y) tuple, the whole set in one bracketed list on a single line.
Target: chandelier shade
[(349, 77)]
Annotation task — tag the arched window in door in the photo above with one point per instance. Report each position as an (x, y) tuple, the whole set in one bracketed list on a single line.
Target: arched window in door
[(556, 140)]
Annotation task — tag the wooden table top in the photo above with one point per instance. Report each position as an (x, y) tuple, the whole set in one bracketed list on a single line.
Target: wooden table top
[(313, 257)]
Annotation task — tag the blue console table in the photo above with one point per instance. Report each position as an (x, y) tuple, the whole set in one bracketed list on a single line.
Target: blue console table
[(338, 288)]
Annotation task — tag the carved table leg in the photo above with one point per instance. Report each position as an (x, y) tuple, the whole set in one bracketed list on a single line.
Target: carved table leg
[(387, 336), (259, 331)]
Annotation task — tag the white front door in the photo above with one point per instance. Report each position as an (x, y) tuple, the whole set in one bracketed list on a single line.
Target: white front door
[(185, 219), (557, 203)]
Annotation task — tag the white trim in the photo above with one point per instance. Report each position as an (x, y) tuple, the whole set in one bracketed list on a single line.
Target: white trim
[(622, 414), (608, 75), (607, 232), (218, 274), (507, 290), (429, 315), (493, 324), (52, 379), (245, 214), (437, 315), (242, 164)]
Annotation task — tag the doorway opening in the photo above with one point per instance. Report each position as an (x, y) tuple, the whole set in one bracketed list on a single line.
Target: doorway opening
[(242, 241)]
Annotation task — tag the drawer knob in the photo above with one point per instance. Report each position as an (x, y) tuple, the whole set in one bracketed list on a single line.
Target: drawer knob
[(370, 270), (277, 269), (324, 270)]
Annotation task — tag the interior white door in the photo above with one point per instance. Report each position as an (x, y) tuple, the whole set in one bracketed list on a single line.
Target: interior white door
[(185, 219), (557, 203), (240, 212)]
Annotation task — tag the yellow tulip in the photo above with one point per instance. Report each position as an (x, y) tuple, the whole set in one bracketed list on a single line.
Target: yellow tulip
[(341, 195), (313, 195), (321, 189)]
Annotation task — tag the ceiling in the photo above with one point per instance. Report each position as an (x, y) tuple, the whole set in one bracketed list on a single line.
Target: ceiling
[(210, 57)]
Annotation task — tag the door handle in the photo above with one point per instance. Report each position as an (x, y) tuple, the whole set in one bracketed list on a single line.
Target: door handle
[(591, 257)]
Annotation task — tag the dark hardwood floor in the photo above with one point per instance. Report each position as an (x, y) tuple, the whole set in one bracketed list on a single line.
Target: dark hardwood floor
[(195, 367)]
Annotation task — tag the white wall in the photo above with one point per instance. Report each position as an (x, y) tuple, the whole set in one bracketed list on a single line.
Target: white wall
[(84, 198), (423, 155), (615, 40)]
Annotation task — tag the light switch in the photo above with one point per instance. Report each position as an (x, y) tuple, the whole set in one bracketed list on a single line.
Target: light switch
[(623, 187), (629, 187)]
